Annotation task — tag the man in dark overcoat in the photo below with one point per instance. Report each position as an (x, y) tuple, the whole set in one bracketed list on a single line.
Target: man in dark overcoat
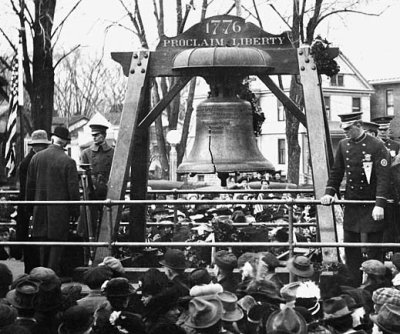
[(53, 176), (365, 162), (39, 141)]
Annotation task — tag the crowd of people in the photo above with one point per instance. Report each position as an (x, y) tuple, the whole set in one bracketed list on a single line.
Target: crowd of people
[(245, 294)]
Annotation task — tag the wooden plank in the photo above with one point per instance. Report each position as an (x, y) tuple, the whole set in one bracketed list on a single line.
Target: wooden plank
[(286, 100), (283, 61), (318, 147), (153, 114), (138, 82)]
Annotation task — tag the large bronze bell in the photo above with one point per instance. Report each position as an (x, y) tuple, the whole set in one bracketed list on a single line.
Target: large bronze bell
[(224, 140)]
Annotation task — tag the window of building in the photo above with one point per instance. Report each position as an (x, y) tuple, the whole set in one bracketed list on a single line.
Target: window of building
[(389, 102), (327, 102), (281, 112), (200, 177), (356, 105), (337, 80), (281, 151)]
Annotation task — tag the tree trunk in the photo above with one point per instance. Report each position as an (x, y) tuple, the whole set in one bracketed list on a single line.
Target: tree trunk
[(42, 65), (292, 132), (160, 135)]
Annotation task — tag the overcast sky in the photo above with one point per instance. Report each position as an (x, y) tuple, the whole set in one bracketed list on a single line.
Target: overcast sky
[(371, 43)]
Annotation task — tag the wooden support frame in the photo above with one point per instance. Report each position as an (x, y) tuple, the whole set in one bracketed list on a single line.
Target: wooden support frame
[(132, 145), (318, 144), (138, 83)]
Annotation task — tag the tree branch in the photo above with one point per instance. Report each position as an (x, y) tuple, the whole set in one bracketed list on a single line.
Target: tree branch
[(66, 55), (60, 26), (8, 40), (346, 11), (279, 14)]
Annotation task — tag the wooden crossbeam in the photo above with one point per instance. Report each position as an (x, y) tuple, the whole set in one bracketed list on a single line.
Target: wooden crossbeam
[(286, 100), (153, 114)]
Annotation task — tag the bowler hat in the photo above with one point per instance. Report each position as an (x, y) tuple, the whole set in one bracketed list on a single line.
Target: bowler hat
[(286, 321), (335, 307), (270, 259), (388, 318), (373, 267), (225, 260), (98, 128), (39, 137), (77, 319), (22, 296), (300, 266), (230, 310), (204, 312), (119, 287), (174, 259), (62, 132)]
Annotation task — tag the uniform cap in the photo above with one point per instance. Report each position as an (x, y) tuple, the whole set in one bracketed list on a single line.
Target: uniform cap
[(349, 119), (98, 128), (370, 126)]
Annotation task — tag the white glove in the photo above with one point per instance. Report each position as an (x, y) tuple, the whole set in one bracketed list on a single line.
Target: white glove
[(326, 200), (378, 213)]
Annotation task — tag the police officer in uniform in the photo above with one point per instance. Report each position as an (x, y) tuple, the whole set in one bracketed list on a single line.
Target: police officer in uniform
[(392, 230), (365, 163), (99, 155)]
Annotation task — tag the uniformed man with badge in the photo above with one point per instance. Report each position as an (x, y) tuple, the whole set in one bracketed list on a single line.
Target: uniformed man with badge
[(392, 230), (99, 155), (383, 133), (364, 161)]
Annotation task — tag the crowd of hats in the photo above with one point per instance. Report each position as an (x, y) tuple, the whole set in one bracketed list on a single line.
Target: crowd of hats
[(258, 305)]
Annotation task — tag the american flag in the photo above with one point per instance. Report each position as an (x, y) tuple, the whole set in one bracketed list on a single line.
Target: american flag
[(10, 151)]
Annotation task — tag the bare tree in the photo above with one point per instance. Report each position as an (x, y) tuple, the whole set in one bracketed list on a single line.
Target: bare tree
[(84, 85), (36, 22)]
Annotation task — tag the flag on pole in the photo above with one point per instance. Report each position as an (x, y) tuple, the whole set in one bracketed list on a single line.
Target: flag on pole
[(10, 150)]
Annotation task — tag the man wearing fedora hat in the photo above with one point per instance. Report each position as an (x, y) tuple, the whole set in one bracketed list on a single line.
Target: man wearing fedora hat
[(365, 162), (100, 156), (39, 141), (52, 175)]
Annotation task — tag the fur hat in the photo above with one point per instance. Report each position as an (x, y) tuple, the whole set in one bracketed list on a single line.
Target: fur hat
[(95, 277), (76, 319), (225, 260), (119, 287), (174, 259)]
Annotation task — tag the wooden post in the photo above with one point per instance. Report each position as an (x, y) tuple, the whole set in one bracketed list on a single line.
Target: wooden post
[(138, 83), (318, 143)]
